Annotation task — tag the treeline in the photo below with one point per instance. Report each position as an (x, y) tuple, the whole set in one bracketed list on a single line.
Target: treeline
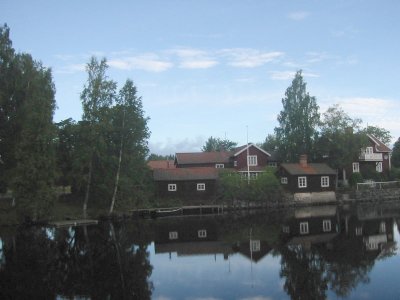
[(102, 157)]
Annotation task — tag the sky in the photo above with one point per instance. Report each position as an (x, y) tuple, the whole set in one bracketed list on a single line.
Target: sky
[(218, 67)]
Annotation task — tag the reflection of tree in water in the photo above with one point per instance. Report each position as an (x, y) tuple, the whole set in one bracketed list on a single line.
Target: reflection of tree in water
[(97, 262), (309, 272)]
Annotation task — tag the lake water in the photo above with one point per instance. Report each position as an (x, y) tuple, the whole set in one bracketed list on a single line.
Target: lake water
[(323, 252)]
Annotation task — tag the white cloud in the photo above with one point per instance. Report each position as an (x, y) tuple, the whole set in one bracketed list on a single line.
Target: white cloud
[(250, 58), (198, 64), (172, 146), (257, 298), (298, 15), (71, 69), (194, 58), (147, 62)]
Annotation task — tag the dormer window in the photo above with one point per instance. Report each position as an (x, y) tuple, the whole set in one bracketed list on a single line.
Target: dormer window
[(369, 150), (219, 166)]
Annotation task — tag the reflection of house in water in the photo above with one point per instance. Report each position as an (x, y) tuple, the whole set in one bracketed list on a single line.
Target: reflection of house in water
[(189, 237), (373, 226), (311, 225)]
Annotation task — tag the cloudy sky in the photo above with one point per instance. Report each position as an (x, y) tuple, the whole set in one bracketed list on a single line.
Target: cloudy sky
[(219, 67)]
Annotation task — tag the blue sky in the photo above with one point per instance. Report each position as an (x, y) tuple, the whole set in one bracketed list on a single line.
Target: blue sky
[(215, 68)]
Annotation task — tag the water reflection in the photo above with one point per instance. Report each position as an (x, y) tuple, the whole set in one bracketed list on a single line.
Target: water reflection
[(304, 253)]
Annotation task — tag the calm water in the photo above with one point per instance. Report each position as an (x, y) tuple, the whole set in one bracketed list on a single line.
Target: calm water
[(322, 252)]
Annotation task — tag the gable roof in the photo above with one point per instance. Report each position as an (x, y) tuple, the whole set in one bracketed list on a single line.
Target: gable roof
[(243, 148), (309, 169), (379, 146), (180, 174), (161, 164), (202, 157)]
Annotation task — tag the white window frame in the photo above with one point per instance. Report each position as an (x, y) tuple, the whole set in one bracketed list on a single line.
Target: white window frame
[(324, 181), (255, 245), (284, 180), (219, 166), (173, 235), (379, 167), (252, 160), (356, 167), (201, 186), (235, 163), (273, 164), (285, 229), (172, 187), (202, 233), (382, 227), (369, 150), (327, 225), (359, 230), (304, 229), (302, 182)]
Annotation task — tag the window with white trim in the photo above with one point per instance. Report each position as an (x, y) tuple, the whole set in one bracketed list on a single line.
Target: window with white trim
[(235, 163), (304, 228), (173, 235), (379, 167), (324, 181), (302, 181), (219, 166), (285, 229), (382, 227), (356, 167), (255, 245), (201, 186), (273, 164), (202, 233), (252, 160), (369, 150), (284, 180), (326, 225), (172, 187), (359, 230)]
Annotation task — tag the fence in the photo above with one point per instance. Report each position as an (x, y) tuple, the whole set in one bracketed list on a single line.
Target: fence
[(378, 185)]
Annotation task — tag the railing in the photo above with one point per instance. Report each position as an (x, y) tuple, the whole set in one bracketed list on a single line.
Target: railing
[(378, 185), (371, 156)]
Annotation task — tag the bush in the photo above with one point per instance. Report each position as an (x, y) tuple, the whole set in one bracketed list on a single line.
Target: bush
[(356, 178)]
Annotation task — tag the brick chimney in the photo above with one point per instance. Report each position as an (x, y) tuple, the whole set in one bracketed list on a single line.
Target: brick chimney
[(303, 160)]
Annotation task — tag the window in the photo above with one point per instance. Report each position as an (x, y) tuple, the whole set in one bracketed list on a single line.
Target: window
[(382, 227), (252, 160), (201, 186), (284, 180), (379, 167), (253, 176), (173, 235), (235, 163), (273, 164), (285, 229), (326, 225), (302, 182), (219, 166), (356, 167), (359, 231), (202, 233), (255, 246), (172, 187), (304, 228), (369, 150), (325, 181)]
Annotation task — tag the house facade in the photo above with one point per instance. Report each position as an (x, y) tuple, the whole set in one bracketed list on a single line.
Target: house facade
[(376, 156)]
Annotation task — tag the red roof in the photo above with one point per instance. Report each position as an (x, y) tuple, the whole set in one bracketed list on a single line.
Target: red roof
[(181, 174), (308, 169), (203, 157), (161, 164), (379, 146)]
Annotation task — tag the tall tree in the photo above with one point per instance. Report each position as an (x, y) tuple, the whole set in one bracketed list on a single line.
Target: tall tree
[(396, 154), (298, 121), (98, 95), (381, 133), (130, 127), (217, 144), (27, 106)]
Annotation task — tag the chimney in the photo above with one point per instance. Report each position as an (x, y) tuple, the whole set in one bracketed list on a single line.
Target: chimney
[(303, 160)]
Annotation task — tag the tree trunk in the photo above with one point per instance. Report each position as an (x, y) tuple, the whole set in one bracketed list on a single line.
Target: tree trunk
[(89, 182), (119, 167)]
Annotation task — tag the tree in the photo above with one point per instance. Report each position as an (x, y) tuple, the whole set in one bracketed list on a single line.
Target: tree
[(98, 95), (298, 121), (340, 139), (27, 106), (217, 144), (154, 156), (396, 154), (380, 133)]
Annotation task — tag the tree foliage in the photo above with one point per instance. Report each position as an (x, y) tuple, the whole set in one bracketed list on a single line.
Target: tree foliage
[(298, 121), (217, 144), (396, 154), (380, 133), (27, 106)]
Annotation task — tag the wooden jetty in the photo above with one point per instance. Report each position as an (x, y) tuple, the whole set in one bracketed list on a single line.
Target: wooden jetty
[(72, 223), (178, 211)]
